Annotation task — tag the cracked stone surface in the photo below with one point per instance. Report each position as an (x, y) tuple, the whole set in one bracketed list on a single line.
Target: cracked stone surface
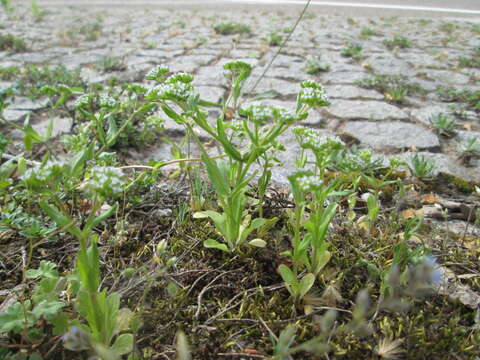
[(185, 40), (365, 110), (391, 135)]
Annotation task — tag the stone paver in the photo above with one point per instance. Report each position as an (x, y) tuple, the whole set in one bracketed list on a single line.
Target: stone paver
[(186, 41), (391, 135), (365, 110)]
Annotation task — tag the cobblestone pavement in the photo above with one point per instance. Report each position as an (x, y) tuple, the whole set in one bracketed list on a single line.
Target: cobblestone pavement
[(391, 121)]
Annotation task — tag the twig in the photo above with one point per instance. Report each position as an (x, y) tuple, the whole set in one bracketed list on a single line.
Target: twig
[(281, 47), (254, 356)]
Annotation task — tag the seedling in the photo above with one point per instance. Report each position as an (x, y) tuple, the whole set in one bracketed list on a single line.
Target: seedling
[(354, 51), (421, 167), (9, 42), (314, 67), (443, 124), (232, 29), (397, 42)]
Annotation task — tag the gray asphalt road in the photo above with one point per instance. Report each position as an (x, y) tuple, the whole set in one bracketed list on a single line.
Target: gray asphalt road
[(423, 8)]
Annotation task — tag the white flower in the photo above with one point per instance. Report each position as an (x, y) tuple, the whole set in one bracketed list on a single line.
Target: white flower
[(315, 140), (157, 72), (43, 173), (313, 94), (309, 182), (82, 101), (107, 101), (106, 180)]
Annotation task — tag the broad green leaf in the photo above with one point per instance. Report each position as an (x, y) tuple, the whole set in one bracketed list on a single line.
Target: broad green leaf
[(60, 219), (47, 269), (13, 319), (287, 274), (219, 183), (47, 309), (306, 284), (123, 344), (213, 244), (269, 94)]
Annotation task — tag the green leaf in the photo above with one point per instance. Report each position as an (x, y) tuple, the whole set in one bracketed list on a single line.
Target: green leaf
[(306, 284), (47, 270), (47, 309), (60, 219), (214, 244), (123, 344), (13, 319), (287, 274), (172, 114), (79, 159), (219, 183)]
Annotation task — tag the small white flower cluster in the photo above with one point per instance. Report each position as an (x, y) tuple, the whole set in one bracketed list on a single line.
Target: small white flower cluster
[(179, 77), (43, 173), (177, 90), (157, 72), (107, 101), (314, 96), (106, 180), (259, 113), (309, 182), (82, 101), (287, 116), (315, 140)]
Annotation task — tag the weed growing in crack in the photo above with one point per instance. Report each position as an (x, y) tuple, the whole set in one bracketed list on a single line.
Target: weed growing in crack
[(443, 124), (232, 29), (9, 42), (353, 51), (398, 42), (421, 167)]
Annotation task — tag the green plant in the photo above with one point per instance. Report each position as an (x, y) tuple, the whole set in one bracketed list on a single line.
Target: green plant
[(395, 88), (37, 13), (9, 73), (7, 6), (397, 42), (22, 317), (232, 29), (230, 179), (274, 39), (354, 51), (472, 61), (366, 33), (421, 167), (470, 147), (111, 63), (91, 31), (9, 42), (443, 124), (314, 67)]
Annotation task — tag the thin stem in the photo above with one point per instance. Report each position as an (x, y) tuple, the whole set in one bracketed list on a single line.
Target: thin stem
[(281, 46)]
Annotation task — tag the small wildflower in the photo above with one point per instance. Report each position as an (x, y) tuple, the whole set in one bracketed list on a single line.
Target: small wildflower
[(309, 183), (158, 73), (258, 113), (106, 181), (315, 140), (42, 174), (175, 91), (180, 77), (82, 101), (106, 101), (313, 94), (288, 116), (238, 67)]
